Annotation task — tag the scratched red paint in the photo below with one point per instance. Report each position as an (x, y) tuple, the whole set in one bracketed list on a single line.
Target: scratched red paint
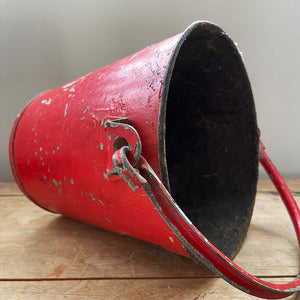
[(61, 151)]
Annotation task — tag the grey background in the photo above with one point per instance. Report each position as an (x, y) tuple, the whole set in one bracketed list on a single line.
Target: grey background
[(44, 44)]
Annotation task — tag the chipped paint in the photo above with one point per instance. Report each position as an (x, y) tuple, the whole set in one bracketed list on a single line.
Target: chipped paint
[(100, 201), (85, 110), (151, 85), (66, 108), (137, 150), (171, 239), (100, 76), (69, 84), (155, 70), (57, 148), (119, 107), (72, 181), (101, 146), (46, 102), (158, 53), (130, 183), (108, 220), (55, 182)]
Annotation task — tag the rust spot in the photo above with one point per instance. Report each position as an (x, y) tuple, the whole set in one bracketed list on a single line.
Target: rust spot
[(160, 90)]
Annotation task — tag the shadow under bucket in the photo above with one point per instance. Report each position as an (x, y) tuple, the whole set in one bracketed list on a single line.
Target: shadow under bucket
[(177, 121)]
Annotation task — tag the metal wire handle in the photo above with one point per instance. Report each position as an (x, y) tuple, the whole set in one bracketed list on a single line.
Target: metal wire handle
[(196, 244)]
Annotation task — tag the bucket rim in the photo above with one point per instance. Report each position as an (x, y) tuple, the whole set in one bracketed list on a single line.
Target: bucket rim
[(162, 152)]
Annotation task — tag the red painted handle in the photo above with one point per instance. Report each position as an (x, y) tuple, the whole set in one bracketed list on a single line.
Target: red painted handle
[(205, 252), (195, 243), (282, 189)]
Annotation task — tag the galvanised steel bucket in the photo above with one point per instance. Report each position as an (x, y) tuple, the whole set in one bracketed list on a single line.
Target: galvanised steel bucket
[(176, 118)]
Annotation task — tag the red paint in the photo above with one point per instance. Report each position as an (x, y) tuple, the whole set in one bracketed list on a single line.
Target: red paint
[(61, 139), (67, 157), (228, 269)]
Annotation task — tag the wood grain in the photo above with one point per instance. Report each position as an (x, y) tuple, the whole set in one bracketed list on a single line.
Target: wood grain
[(9, 189), (264, 185), (181, 289), (34, 242), (44, 255)]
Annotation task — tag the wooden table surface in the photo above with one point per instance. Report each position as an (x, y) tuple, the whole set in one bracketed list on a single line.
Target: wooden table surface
[(47, 256)]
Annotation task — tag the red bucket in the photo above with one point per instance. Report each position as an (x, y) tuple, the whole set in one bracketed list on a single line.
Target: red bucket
[(184, 107)]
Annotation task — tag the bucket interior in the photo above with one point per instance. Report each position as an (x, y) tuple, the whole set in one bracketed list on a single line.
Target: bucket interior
[(211, 138)]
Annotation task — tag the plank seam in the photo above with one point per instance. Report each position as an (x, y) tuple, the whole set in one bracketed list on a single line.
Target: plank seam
[(128, 278)]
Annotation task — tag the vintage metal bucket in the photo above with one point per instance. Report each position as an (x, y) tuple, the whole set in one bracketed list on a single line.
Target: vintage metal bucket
[(176, 118)]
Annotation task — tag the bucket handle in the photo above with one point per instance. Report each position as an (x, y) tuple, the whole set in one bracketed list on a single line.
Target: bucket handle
[(196, 244)]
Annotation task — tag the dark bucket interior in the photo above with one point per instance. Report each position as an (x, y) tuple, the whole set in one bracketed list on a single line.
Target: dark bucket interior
[(211, 139)]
